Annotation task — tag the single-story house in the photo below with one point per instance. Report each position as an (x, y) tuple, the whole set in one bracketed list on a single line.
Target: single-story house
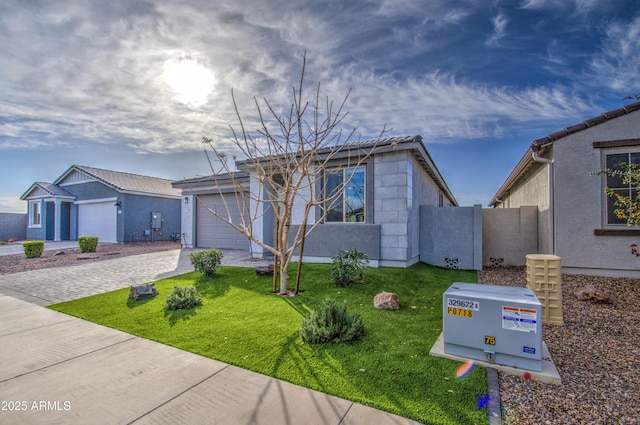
[(114, 206), (576, 219), (390, 186)]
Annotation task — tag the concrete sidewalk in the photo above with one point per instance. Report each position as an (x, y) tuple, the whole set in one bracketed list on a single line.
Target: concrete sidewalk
[(60, 369), (55, 368)]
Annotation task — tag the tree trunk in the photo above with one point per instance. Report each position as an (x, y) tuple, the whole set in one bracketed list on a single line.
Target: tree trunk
[(284, 278)]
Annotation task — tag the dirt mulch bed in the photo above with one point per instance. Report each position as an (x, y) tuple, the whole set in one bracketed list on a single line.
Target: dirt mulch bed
[(72, 256), (596, 351)]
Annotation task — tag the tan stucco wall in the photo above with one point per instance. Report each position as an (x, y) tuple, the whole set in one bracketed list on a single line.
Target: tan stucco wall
[(534, 191)]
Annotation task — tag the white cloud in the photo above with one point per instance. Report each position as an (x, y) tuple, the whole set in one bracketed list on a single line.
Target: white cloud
[(617, 64), (500, 22)]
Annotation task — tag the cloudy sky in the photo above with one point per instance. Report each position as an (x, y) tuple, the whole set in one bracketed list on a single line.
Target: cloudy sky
[(134, 85)]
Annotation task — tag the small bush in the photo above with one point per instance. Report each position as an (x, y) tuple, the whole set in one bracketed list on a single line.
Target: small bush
[(88, 243), (331, 323), (183, 298), (206, 261), (33, 249), (348, 267)]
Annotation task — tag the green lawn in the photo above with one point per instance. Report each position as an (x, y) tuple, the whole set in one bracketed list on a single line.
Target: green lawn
[(242, 323)]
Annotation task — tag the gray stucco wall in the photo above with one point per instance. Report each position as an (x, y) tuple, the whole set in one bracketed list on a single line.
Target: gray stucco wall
[(580, 203), (328, 239), (13, 225), (136, 217), (451, 237)]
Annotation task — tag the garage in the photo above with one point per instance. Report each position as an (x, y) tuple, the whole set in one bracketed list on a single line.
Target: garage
[(98, 219), (211, 231)]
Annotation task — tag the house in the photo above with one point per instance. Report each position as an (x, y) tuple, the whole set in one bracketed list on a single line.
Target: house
[(114, 206), (576, 219), (390, 185)]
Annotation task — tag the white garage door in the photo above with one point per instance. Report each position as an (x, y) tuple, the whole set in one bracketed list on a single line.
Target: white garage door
[(98, 219), (211, 232)]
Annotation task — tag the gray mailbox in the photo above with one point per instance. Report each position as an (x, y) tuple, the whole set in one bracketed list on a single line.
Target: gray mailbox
[(495, 324)]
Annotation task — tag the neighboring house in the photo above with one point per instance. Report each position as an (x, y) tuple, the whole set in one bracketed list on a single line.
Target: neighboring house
[(576, 219), (114, 206), (391, 186)]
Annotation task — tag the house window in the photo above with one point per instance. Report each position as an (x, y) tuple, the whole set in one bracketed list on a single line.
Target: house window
[(614, 162), (346, 192), (35, 213)]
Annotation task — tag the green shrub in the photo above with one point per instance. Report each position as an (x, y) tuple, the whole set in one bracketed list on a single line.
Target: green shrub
[(88, 243), (183, 298), (33, 249), (348, 267), (331, 323), (206, 261)]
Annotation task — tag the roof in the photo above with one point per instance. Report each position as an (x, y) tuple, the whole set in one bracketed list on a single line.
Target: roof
[(540, 145), (48, 188), (389, 144), (125, 182)]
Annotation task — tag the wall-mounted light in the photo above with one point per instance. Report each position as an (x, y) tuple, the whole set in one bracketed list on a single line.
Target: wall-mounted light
[(118, 204), (186, 199)]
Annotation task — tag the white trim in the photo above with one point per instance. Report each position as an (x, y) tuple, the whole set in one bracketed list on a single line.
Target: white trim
[(78, 182), (154, 195), (31, 225), (95, 201)]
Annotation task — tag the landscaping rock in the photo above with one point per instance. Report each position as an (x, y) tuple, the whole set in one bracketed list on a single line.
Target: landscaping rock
[(591, 293), (386, 301), (265, 270), (59, 253), (143, 291)]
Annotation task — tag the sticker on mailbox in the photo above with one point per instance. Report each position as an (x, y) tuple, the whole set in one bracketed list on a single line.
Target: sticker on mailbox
[(462, 312), (519, 319), (465, 304)]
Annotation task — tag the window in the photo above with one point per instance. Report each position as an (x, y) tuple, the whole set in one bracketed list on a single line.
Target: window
[(346, 190), (35, 213), (614, 162)]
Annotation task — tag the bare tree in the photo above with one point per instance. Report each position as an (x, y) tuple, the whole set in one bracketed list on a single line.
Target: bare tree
[(287, 159)]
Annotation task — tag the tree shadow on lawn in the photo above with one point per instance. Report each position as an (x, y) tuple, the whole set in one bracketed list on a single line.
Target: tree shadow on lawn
[(211, 287), (174, 316)]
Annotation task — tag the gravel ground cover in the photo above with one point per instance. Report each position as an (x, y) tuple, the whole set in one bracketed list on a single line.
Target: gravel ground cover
[(596, 351), (71, 256)]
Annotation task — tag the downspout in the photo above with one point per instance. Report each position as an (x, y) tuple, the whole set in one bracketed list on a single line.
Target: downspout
[(534, 153)]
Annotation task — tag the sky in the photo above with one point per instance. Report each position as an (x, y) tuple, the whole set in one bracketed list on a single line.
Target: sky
[(133, 86)]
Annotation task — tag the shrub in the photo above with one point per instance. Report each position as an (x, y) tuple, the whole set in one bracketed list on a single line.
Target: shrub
[(33, 249), (331, 323), (183, 298), (348, 267), (88, 243), (206, 261)]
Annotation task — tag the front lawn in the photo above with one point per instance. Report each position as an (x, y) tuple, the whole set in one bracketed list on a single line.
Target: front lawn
[(240, 322)]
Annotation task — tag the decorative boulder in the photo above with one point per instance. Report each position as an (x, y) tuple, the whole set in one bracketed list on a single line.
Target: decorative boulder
[(386, 301), (143, 292), (591, 293), (265, 270)]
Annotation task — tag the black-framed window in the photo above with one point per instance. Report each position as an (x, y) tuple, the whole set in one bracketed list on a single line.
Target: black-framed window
[(346, 194), (614, 162)]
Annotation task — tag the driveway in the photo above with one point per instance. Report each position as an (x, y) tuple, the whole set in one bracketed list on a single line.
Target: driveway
[(54, 285), (59, 369)]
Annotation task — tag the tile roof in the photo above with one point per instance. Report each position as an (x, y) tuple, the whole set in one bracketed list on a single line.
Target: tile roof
[(126, 182), (388, 144), (526, 161), (49, 188)]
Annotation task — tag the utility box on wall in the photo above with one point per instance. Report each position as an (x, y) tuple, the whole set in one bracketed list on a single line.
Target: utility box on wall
[(156, 220), (495, 324)]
